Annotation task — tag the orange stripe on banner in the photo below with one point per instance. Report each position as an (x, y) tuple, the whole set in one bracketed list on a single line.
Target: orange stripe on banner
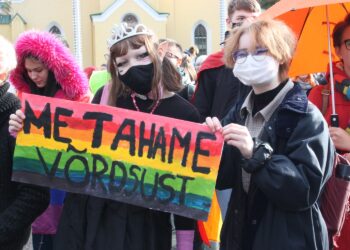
[(210, 229)]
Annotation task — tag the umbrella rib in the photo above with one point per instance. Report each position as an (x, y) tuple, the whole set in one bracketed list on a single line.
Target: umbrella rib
[(346, 10), (305, 19), (301, 31)]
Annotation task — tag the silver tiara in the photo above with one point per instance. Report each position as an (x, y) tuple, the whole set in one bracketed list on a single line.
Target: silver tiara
[(123, 31)]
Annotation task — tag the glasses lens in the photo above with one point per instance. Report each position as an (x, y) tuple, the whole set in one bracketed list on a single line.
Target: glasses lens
[(259, 54), (347, 44), (171, 55), (234, 25), (239, 56)]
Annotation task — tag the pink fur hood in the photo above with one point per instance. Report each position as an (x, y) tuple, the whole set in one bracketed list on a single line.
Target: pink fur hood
[(51, 51)]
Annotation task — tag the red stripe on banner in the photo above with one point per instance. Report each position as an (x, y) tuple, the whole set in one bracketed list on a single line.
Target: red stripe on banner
[(203, 233)]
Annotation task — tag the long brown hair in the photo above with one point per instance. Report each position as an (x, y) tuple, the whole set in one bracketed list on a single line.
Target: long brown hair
[(165, 75)]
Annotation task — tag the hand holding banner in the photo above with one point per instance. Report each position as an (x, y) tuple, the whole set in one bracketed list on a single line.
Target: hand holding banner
[(124, 155)]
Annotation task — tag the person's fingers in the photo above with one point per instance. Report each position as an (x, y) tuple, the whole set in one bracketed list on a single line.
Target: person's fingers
[(20, 114), (217, 124), (210, 123), (16, 118), (213, 123), (242, 147), (234, 137), (13, 134), (235, 128), (14, 125), (237, 144)]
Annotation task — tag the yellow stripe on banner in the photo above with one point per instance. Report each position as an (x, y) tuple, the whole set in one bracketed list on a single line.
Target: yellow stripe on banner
[(121, 154), (36, 140)]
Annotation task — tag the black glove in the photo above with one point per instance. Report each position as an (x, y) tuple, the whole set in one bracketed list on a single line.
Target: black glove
[(262, 152)]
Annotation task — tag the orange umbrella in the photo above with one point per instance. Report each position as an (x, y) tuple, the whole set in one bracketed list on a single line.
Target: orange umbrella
[(313, 22)]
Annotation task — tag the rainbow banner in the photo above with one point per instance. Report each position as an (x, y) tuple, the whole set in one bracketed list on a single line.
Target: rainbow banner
[(133, 157)]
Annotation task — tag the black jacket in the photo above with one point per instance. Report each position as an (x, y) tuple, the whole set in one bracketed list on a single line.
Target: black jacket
[(92, 223), (218, 90), (281, 208), (20, 203)]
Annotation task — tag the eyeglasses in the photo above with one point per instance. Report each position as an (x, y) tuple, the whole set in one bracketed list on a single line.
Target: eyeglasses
[(347, 44), (241, 55), (234, 25), (171, 55)]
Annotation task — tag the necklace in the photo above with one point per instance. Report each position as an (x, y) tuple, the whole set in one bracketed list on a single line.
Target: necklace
[(137, 107)]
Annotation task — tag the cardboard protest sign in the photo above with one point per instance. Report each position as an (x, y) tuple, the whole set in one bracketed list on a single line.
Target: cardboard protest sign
[(124, 155)]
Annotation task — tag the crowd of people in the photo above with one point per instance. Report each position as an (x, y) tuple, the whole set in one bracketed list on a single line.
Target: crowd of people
[(279, 152)]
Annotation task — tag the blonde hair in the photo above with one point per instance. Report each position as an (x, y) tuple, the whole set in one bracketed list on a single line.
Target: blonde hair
[(7, 56), (170, 81), (188, 67), (273, 35)]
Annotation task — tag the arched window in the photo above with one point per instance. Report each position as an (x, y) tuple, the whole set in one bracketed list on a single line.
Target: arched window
[(131, 19), (55, 30), (200, 39)]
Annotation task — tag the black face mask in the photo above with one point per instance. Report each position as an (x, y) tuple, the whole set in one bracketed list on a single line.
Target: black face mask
[(139, 78)]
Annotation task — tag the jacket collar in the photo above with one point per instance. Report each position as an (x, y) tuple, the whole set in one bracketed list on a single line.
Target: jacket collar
[(292, 109), (295, 100), (285, 118), (267, 112)]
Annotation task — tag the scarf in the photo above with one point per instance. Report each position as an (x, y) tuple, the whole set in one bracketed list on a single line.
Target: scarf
[(9, 103), (341, 83), (341, 80)]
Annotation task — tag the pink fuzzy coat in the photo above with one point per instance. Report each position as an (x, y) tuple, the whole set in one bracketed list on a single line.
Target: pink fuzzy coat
[(51, 51)]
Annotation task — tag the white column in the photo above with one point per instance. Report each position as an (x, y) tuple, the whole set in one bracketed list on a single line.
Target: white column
[(77, 32), (223, 10)]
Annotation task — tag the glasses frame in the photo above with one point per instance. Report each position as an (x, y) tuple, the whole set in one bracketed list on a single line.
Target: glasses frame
[(235, 25), (346, 42), (171, 55), (256, 52)]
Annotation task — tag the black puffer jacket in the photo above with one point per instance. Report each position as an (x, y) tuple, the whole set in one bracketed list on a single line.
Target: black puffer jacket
[(281, 208), (20, 204)]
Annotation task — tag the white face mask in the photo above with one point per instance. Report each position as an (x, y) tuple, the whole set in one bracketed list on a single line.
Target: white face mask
[(257, 71)]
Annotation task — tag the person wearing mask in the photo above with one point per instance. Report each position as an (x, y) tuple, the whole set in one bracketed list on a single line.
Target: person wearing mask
[(46, 67), (320, 96), (278, 153), (20, 204), (146, 82), (217, 90)]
